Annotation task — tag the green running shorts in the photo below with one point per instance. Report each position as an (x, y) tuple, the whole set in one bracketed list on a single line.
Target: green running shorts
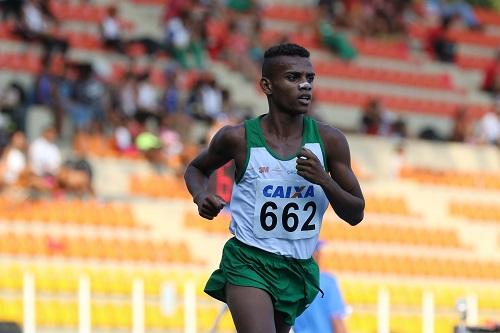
[(292, 283)]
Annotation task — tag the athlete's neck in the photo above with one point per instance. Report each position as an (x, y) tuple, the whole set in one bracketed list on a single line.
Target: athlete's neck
[(283, 125)]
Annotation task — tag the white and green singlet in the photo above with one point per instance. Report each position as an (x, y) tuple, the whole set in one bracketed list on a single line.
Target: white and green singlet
[(273, 208)]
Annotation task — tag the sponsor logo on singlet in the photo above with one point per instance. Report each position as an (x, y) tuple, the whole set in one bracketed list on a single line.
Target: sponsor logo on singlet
[(288, 192)]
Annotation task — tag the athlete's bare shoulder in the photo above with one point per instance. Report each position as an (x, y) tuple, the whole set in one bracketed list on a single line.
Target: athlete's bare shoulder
[(331, 135), (229, 140)]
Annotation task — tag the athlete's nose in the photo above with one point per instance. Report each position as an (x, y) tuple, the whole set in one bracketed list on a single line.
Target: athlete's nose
[(305, 85)]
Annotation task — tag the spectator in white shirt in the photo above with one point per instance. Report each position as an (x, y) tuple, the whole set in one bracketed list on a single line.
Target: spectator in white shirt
[(489, 126), (147, 99), (13, 163), (34, 26), (110, 28), (44, 154)]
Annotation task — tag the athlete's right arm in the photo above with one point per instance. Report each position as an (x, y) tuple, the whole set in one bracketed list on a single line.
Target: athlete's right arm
[(223, 148)]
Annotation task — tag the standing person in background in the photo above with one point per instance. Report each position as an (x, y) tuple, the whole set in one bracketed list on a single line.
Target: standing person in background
[(325, 314), (289, 167)]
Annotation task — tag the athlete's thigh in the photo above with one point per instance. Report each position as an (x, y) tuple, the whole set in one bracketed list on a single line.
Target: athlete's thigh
[(279, 323), (251, 308)]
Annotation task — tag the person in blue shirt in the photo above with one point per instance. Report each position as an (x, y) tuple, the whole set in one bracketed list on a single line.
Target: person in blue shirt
[(325, 314)]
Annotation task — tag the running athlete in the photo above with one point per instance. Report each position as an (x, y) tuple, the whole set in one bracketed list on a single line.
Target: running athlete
[(289, 167)]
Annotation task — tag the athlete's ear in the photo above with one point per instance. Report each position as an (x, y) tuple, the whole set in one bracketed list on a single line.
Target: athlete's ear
[(265, 85)]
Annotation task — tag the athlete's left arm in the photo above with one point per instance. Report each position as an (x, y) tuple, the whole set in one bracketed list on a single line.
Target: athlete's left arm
[(340, 184)]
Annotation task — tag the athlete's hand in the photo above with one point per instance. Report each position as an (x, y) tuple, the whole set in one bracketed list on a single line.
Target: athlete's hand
[(209, 204), (310, 168)]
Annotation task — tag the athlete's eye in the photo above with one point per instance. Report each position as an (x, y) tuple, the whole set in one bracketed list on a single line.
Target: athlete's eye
[(310, 78), (292, 77)]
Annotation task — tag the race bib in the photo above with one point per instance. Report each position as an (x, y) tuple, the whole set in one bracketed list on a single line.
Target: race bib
[(285, 209)]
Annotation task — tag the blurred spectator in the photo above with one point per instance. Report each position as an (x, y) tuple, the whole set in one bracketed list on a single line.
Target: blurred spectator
[(489, 126), (53, 87), (63, 81), (211, 98), (328, 7), (242, 50), (110, 29), (44, 155), (147, 99), (183, 40), (11, 8), (87, 108), (383, 17), (461, 126), (151, 147), (204, 101), (170, 102), (172, 143), (374, 120), (399, 128), (491, 78), (75, 175), (127, 91), (328, 310), (332, 39), (13, 164), (453, 8), (13, 102), (242, 6), (398, 162), (44, 85), (429, 133), (439, 44), (122, 137), (45, 161), (174, 8), (35, 26)]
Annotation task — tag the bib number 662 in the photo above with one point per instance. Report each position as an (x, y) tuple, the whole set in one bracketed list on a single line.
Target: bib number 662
[(289, 218)]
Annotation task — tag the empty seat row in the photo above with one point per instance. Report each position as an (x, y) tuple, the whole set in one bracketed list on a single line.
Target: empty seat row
[(387, 76), (85, 12), (407, 265), (71, 212), (475, 211), (476, 179), (94, 248), (390, 234), (397, 103), (159, 186), (366, 47)]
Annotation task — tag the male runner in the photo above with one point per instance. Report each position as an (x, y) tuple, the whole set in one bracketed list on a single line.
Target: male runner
[(288, 168)]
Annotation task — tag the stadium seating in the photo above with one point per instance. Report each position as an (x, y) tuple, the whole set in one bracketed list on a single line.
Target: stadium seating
[(405, 249), (68, 212), (473, 179)]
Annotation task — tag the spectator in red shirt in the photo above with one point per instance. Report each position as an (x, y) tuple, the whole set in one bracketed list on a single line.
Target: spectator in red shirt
[(491, 82)]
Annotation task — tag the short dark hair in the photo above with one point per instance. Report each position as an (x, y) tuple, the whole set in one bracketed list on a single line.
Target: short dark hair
[(288, 49), (279, 50)]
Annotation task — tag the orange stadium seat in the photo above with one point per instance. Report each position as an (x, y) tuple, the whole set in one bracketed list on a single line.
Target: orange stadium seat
[(149, 2), (473, 62), (77, 12), (289, 13), (487, 17), (353, 71), (397, 103)]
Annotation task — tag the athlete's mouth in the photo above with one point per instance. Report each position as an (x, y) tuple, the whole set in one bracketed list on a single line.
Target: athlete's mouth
[(305, 99)]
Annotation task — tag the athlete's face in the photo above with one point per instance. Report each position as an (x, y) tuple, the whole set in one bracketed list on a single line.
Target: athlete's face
[(290, 84)]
